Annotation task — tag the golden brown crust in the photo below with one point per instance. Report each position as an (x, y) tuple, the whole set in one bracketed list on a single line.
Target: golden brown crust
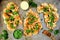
[(9, 28), (11, 3), (50, 8), (7, 15), (56, 18), (31, 26)]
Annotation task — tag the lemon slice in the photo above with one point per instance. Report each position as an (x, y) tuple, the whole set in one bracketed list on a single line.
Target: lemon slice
[(24, 5)]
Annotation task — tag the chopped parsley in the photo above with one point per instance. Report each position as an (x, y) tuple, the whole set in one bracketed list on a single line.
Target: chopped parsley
[(12, 6), (12, 26), (33, 18), (31, 22), (36, 26), (28, 31), (15, 13), (17, 22), (45, 9), (32, 30), (50, 23), (11, 18), (51, 16), (7, 11)]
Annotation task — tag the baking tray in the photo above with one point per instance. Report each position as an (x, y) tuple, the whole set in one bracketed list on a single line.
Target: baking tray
[(39, 36)]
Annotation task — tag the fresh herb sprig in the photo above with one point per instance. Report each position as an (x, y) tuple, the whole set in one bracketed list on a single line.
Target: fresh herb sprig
[(56, 32), (4, 35), (32, 4)]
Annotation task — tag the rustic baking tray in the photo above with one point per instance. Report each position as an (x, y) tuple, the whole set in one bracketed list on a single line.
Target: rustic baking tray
[(39, 36)]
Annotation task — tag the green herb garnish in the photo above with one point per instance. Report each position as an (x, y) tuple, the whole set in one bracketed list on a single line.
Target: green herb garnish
[(45, 9), (50, 23), (36, 26), (56, 32), (51, 16), (12, 26), (32, 4), (7, 11), (33, 18), (32, 30), (50, 30), (15, 13), (12, 6), (31, 22), (51, 9), (11, 18), (28, 31), (17, 22), (5, 34), (17, 34)]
